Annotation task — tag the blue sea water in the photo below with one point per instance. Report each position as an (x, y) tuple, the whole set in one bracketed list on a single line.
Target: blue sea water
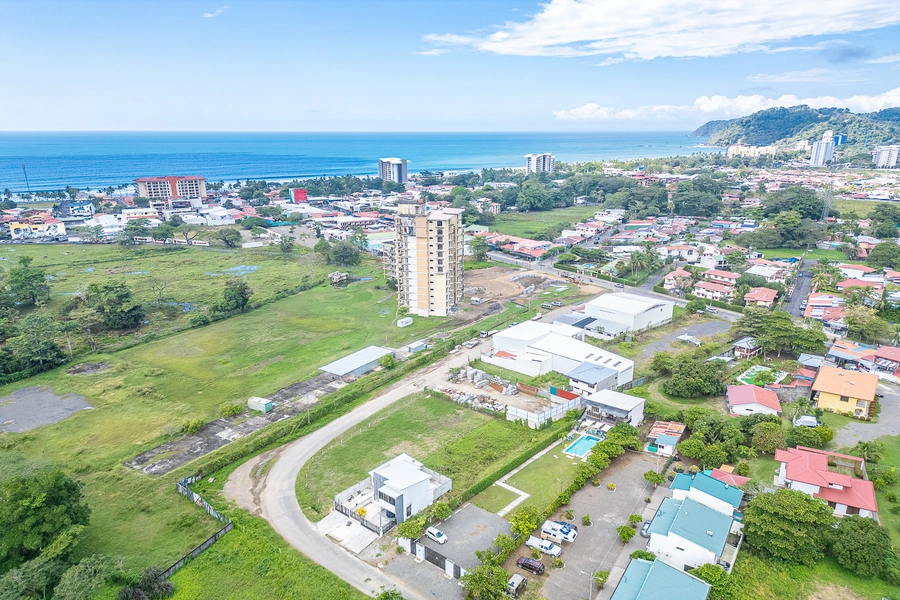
[(91, 160)]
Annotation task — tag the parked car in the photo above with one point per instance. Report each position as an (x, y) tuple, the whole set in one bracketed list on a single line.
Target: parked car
[(546, 306), (645, 530), (436, 534), (516, 585), (806, 421), (530, 564), (543, 546), (556, 303), (567, 524), (712, 310), (558, 532), (537, 317), (620, 285)]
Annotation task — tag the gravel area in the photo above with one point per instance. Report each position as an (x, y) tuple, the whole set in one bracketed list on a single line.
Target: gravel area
[(34, 406)]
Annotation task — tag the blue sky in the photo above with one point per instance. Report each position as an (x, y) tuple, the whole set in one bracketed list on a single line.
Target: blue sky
[(427, 65)]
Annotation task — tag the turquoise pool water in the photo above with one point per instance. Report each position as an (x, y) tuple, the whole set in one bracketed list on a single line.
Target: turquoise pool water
[(582, 445)]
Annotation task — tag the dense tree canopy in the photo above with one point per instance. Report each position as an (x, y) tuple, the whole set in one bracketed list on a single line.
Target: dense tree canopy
[(788, 525), (861, 545)]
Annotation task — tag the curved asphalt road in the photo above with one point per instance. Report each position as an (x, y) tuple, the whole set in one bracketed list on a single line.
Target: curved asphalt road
[(277, 502)]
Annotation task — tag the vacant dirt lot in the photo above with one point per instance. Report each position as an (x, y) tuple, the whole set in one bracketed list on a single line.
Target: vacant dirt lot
[(33, 406), (497, 283)]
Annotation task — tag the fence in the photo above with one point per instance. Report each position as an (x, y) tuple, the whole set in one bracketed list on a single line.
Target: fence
[(631, 384), (423, 552), (379, 529), (537, 420), (183, 487)]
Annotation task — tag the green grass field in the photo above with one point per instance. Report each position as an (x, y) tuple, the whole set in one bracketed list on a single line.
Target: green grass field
[(891, 459), (160, 384), (494, 498), (546, 477), (529, 224), (454, 441), (193, 275), (813, 254), (862, 208)]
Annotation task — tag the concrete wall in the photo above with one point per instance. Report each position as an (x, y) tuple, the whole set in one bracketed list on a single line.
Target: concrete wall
[(679, 552), (526, 367), (752, 409)]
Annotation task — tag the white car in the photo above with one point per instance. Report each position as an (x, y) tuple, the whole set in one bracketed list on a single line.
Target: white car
[(436, 534)]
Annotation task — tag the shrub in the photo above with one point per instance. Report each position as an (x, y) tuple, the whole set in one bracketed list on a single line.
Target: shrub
[(626, 532), (694, 469), (441, 511), (611, 487), (192, 426), (643, 554), (199, 320), (743, 469), (231, 409), (891, 497), (679, 468), (535, 554), (570, 514), (586, 520), (600, 578), (558, 563), (633, 520)]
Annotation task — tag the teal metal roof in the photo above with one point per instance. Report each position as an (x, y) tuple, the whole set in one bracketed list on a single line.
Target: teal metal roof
[(702, 525), (682, 481), (656, 580), (718, 489), (666, 440), (665, 516)]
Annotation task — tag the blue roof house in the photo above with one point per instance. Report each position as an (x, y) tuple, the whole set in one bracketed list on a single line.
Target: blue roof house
[(687, 534), (646, 580), (710, 492)]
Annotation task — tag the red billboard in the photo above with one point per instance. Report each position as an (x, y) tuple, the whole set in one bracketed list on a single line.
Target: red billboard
[(298, 195)]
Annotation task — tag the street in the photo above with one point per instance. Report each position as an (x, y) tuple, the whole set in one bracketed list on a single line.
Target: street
[(801, 289)]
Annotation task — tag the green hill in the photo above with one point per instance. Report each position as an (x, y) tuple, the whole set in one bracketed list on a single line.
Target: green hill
[(712, 127), (785, 126)]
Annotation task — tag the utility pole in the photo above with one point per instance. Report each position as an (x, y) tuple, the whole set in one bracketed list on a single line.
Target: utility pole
[(27, 185)]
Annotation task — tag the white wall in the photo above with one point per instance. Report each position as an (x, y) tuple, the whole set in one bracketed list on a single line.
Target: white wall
[(419, 496), (654, 317), (804, 487), (705, 499), (750, 409), (525, 367), (678, 552), (636, 415)]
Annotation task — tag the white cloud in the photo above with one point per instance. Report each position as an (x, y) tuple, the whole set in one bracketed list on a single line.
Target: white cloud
[(216, 13), (433, 52), (810, 75), (722, 106), (890, 58), (612, 60), (676, 28)]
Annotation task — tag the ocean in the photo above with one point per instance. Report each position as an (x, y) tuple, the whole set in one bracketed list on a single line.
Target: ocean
[(93, 160)]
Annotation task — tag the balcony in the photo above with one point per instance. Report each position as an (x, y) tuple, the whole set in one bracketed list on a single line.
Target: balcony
[(730, 552)]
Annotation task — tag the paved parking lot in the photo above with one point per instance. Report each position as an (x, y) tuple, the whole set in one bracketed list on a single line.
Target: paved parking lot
[(469, 529), (598, 546)]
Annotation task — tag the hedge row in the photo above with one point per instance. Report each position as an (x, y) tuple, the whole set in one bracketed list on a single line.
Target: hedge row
[(551, 435), (716, 303)]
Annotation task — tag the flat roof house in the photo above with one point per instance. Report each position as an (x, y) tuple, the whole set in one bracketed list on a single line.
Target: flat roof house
[(655, 580), (752, 400), (826, 475), (846, 392), (357, 364), (713, 493), (614, 406), (687, 534), (637, 313)]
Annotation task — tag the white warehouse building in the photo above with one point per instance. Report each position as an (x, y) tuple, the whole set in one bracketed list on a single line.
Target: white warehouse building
[(636, 313), (534, 348)]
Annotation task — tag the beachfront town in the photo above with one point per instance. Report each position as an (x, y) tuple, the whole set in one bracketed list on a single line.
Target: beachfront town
[(646, 377)]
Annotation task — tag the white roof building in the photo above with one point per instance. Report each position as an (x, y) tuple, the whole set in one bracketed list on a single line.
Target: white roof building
[(637, 313)]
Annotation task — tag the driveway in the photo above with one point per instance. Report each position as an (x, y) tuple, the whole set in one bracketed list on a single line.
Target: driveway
[(888, 421), (598, 546), (801, 289)]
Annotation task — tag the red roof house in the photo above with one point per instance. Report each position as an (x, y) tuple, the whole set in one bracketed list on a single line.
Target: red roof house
[(807, 470), (752, 399)]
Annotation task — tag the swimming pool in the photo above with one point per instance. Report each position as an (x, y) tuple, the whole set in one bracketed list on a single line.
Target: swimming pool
[(582, 445)]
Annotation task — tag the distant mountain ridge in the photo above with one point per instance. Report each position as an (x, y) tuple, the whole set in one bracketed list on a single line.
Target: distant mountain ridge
[(786, 126)]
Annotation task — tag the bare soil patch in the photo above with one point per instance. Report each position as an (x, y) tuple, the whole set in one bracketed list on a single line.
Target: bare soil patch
[(88, 369), (829, 591)]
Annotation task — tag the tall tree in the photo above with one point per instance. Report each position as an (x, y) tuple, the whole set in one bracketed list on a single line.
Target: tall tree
[(236, 295), (28, 284), (113, 300), (34, 510), (789, 525), (860, 544)]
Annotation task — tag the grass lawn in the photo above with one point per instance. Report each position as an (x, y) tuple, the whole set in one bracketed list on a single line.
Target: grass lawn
[(760, 578), (162, 383), (862, 208), (546, 477), (494, 498), (528, 224), (762, 469), (814, 254), (891, 459), (195, 276), (834, 420), (454, 441), (470, 264)]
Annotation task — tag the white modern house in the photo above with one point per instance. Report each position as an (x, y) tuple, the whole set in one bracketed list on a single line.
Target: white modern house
[(687, 534), (610, 405), (637, 313), (718, 495)]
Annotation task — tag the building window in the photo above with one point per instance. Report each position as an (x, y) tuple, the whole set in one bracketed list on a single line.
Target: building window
[(845, 399), (386, 498), (409, 511)]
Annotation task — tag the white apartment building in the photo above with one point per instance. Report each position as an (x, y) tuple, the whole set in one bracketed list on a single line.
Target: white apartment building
[(537, 163), (163, 188), (822, 152), (886, 157), (747, 151), (392, 169), (428, 259)]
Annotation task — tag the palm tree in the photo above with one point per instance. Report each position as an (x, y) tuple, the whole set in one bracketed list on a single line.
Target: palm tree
[(872, 452)]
